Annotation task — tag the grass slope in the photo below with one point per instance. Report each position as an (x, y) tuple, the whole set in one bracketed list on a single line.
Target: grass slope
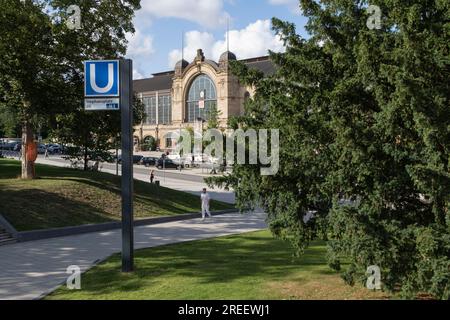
[(247, 266), (65, 197)]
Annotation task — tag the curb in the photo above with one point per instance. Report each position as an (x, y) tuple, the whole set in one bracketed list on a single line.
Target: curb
[(25, 236), (8, 227), (50, 291)]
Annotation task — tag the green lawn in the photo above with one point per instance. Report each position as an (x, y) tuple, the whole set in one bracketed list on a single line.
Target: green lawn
[(248, 266), (65, 197)]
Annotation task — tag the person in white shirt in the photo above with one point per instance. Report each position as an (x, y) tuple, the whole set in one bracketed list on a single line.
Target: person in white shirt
[(205, 204)]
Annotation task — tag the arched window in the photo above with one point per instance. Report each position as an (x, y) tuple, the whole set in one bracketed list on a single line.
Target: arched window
[(201, 99)]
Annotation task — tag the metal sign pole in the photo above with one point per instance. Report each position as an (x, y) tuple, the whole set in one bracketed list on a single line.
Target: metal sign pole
[(117, 94), (126, 100)]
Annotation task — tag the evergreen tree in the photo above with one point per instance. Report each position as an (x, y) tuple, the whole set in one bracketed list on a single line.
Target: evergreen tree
[(364, 117)]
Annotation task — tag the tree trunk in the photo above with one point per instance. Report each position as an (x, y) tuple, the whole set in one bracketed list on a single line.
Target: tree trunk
[(27, 138)]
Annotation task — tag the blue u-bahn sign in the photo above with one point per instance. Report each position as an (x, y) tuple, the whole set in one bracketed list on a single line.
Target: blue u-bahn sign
[(101, 78), (108, 85)]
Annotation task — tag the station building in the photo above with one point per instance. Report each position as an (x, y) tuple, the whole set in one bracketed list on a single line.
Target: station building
[(184, 97)]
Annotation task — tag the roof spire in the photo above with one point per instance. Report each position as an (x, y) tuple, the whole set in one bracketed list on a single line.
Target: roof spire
[(228, 33), (227, 55), (182, 45)]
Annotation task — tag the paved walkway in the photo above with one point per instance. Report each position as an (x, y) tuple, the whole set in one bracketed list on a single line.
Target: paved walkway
[(31, 269)]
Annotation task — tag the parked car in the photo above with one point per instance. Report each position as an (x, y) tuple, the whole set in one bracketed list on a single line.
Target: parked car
[(168, 164), (204, 158), (54, 148), (214, 160), (173, 156), (12, 145), (41, 149), (200, 157), (187, 160), (17, 147), (136, 159), (148, 161), (8, 145)]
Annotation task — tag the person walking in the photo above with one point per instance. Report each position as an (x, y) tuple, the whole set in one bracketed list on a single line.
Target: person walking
[(205, 204), (152, 176), (46, 153)]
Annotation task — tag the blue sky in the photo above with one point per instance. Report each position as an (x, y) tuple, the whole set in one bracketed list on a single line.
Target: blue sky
[(160, 24)]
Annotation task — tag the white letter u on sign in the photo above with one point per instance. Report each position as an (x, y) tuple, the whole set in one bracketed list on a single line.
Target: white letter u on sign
[(110, 79)]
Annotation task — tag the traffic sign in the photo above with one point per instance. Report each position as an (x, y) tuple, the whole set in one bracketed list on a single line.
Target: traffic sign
[(108, 85), (101, 104), (101, 78)]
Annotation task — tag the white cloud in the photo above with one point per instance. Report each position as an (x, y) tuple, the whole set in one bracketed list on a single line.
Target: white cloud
[(253, 41), (139, 44), (293, 5), (140, 49), (194, 40), (137, 74), (207, 13)]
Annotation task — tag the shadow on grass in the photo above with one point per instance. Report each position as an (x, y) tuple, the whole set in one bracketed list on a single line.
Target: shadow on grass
[(219, 261), (33, 209), (149, 199), (166, 200), (146, 196), (10, 169)]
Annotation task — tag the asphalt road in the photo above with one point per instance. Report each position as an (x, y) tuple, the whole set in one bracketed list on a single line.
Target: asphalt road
[(138, 169)]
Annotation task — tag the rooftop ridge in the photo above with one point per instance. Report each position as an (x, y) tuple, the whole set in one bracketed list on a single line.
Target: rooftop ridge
[(256, 59), (163, 73), (172, 72)]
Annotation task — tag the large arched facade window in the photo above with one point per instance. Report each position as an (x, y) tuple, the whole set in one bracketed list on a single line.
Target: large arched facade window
[(201, 99)]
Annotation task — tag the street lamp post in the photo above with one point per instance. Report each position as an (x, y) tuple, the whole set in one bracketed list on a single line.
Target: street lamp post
[(179, 148), (200, 119), (117, 159), (164, 169)]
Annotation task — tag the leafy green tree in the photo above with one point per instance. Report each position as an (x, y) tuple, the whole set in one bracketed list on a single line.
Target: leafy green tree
[(214, 118), (29, 78), (41, 67), (9, 124), (365, 140), (190, 130), (91, 134), (149, 144)]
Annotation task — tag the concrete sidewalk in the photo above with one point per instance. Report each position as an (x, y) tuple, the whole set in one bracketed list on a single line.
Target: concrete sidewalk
[(32, 269)]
